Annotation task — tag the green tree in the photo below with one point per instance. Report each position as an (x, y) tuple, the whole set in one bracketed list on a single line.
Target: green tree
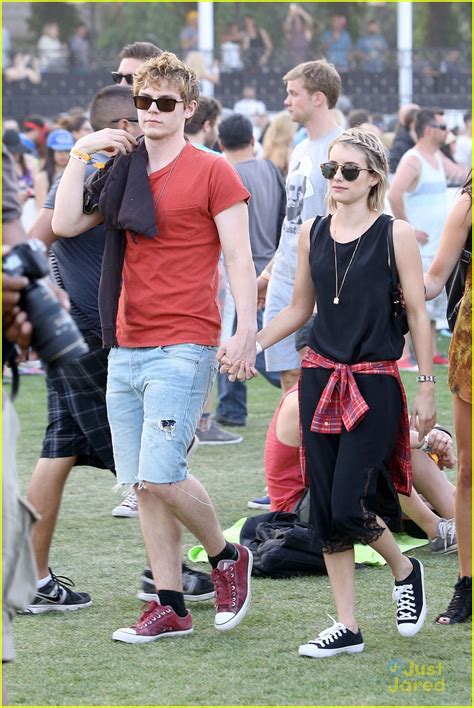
[(65, 14)]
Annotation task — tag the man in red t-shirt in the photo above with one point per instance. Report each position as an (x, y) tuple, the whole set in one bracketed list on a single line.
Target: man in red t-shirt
[(167, 326)]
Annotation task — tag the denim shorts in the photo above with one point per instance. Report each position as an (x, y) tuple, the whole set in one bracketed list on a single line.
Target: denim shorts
[(282, 356), (155, 397)]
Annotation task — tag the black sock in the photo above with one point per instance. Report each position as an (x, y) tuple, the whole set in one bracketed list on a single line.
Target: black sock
[(174, 599), (229, 552)]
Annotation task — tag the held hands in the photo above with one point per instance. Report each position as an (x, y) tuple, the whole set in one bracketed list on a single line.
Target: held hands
[(108, 139), (423, 416), (237, 357)]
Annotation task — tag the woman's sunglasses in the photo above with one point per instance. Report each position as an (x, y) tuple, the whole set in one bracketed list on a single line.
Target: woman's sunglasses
[(164, 104), (117, 77), (349, 171)]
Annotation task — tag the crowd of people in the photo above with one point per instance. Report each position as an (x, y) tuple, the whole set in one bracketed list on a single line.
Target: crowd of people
[(195, 243)]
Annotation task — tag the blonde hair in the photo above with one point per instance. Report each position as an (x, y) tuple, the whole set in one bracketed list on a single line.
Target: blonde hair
[(278, 141), (372, 147), (167, 67)]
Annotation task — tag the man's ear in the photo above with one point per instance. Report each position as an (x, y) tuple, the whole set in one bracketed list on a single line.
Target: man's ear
[(190, 109)]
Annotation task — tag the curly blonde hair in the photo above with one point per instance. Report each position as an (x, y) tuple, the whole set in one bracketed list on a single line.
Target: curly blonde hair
[(167, 67), (372, 147)]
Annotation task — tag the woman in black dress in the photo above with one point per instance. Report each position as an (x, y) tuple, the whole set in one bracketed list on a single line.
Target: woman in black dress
[(352, 405)]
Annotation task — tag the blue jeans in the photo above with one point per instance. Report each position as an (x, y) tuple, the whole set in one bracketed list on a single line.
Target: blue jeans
[(154, 399), (232, 397)]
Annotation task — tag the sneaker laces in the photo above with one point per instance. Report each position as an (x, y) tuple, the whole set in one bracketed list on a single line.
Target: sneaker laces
[(152, 607), (404, 596), (226, 588), (130, 501), (329, 635), (62, 580), (447, 531)]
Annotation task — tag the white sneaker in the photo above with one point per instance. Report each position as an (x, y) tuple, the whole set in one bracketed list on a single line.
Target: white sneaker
[(128, 508)]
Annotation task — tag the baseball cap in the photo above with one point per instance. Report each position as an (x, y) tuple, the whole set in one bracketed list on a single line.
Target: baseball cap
[(61, 140), (14, 144)]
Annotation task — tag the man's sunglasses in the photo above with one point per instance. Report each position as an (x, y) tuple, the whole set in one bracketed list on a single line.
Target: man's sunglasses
[(349, 171), (441, 126), (164, 104), (130, 120), (117, 77)]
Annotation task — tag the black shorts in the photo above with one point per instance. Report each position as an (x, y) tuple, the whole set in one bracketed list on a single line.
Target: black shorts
[(77, 412)]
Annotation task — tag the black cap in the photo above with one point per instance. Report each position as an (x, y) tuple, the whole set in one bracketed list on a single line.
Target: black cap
[(13, 143)]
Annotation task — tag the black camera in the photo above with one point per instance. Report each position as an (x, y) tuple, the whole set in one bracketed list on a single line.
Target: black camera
[(56, 338)]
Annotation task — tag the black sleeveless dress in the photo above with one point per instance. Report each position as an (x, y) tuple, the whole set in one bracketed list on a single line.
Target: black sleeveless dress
[(348, 473)]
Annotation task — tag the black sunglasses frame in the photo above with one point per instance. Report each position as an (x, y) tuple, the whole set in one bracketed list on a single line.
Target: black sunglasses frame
[(130, 120), (160, 103), (117, 77), (349, 171), (441, 126)]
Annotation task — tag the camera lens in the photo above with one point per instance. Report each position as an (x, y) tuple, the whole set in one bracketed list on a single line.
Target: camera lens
[(56, 338)]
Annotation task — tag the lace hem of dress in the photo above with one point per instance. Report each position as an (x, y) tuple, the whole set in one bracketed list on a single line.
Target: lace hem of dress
[(370, 531)]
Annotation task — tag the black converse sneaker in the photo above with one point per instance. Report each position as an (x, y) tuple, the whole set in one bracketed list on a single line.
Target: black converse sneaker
[(56, 596), (409, 594), (334, 640)]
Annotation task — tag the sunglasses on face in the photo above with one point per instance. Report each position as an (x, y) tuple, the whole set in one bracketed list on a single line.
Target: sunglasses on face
[(164, 104), (349, 171), (130, 120), (441, 126), (117, 77)]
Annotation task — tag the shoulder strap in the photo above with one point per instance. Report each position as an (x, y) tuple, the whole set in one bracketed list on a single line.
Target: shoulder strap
[(391, 255), (316, 228)]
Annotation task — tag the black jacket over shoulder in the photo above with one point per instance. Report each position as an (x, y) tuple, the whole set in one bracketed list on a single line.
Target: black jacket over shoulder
[(121, 191)]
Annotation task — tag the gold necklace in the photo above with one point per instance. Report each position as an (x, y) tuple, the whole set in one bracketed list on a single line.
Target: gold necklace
[(339, 289), (155, 204)]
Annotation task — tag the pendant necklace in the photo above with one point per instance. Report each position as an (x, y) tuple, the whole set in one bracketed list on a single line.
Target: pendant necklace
[(158, 199), (339, 288)]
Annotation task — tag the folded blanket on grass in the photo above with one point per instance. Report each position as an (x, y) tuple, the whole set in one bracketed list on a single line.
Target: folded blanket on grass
[(363, 554)]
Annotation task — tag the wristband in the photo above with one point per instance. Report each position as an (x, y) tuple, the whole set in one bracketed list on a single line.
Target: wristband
[(265, 274), (81, 156), (259, 348), (426, 378), (426, 447)]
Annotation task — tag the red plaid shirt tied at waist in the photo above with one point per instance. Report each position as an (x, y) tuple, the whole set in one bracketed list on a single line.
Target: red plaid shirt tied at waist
[(342, 403)]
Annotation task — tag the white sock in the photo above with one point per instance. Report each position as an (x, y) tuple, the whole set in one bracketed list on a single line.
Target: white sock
[(43, 581)]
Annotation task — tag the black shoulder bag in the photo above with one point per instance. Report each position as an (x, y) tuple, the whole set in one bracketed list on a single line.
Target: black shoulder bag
[(456, 283), (398, 309)]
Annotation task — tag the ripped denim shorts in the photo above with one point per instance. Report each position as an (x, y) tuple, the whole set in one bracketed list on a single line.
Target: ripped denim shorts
[(155, 396)]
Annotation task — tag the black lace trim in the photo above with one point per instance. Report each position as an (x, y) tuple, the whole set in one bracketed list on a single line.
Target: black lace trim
[(371, 529)]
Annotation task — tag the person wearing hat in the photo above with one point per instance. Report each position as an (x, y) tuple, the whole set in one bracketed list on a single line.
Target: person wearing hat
[(59, 143)]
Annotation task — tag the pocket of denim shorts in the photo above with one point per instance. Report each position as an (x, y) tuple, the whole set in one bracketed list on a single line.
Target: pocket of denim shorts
[(187, 352)]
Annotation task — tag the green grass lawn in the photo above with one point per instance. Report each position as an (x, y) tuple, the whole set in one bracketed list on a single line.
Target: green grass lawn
[(70, 658)]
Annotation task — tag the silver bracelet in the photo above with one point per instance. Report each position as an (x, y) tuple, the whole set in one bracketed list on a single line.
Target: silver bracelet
[(258, 347), (426, 377)]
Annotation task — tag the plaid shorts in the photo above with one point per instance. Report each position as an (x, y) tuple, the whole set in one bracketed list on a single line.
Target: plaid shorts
[(77, 412)]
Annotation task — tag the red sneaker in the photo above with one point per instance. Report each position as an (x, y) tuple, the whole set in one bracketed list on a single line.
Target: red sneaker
[(406, 365), (231, 580), (440, 359), (156, 621)]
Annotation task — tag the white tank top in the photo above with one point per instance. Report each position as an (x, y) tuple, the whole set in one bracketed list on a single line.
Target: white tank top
[(426, 207)]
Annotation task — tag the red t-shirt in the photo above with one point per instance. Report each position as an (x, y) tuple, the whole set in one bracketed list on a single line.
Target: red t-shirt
[(283, 474), (170, 282)]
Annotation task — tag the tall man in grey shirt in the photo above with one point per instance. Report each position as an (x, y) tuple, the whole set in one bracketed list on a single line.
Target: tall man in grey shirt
[(313, 89), (266, 213)]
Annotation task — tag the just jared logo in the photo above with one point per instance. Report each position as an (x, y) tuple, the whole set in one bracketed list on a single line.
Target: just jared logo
[(409, 677)]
